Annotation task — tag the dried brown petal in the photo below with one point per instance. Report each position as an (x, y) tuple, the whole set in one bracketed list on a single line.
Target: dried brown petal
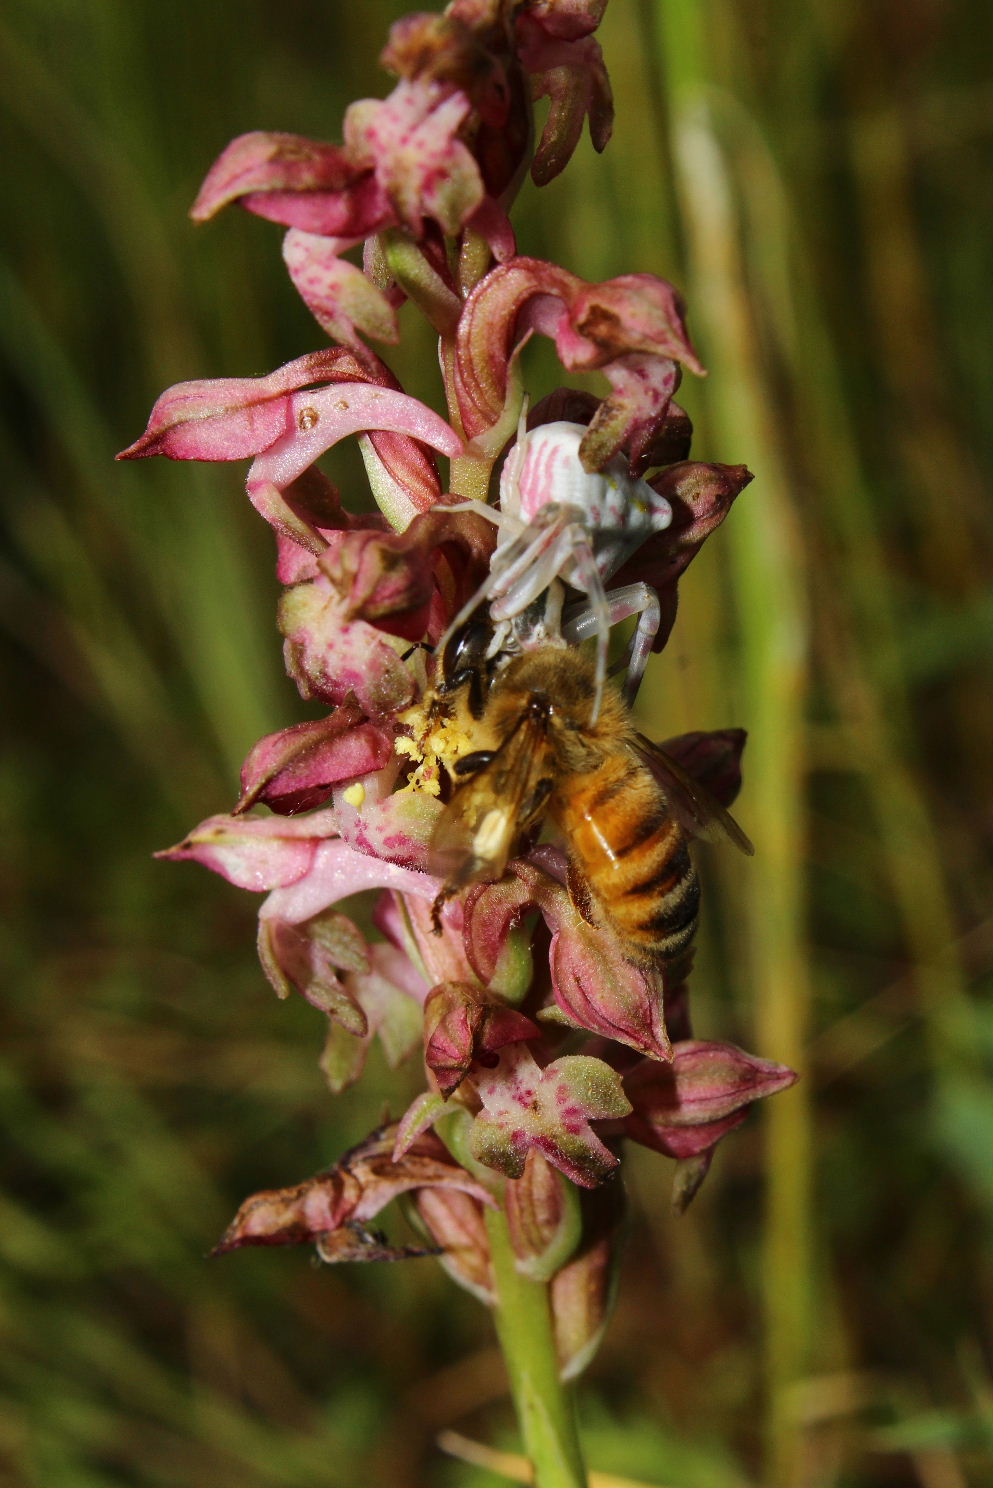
[(351, 1193)]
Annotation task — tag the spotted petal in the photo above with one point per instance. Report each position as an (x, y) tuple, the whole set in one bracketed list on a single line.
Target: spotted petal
[(339, 296), (550, 1110)]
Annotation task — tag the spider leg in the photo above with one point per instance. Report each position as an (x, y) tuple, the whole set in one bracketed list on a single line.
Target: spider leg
[(481, 508), (587, 578), (519, 571), (530, 574), (645, 604), (527, 564), (632, 599)]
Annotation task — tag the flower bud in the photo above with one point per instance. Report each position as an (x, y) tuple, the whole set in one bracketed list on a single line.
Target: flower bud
[(463, 1024), (713, 759), (455, 1222), (582, 1292), (684, 1109), (543, 1217)]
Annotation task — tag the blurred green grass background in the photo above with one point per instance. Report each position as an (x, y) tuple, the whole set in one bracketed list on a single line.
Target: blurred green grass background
[(815, 179)]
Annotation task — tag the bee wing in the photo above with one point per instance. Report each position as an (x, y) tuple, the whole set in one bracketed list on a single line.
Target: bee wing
[(479, 828), (691, 804)]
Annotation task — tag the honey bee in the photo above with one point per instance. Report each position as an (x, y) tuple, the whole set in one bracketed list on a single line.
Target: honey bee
[(624, 809)]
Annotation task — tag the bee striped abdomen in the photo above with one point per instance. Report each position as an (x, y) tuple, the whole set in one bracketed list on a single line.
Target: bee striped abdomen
[(635, 859), (663, 910)]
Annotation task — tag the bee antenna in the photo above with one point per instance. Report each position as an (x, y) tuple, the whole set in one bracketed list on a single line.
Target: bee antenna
[(417, 646)]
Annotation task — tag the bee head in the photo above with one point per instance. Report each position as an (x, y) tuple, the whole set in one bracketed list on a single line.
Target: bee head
[(465, 663)]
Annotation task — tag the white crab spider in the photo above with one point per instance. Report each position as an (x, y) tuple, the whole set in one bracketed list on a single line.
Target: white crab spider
[(559, 523)]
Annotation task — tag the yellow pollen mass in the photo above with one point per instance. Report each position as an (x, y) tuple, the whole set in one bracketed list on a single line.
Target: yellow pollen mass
[(432, 743)]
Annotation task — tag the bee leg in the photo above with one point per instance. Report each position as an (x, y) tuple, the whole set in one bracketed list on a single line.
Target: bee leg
[(441, 899), (417, 646)]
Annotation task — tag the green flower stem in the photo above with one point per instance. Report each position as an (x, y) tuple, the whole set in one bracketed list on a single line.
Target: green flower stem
[(544, 1405)]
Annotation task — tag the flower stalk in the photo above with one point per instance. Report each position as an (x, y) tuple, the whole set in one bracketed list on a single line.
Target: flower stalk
[(545, 1405)]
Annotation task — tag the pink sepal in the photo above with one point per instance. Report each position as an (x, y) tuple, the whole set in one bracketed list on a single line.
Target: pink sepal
[(596, 988), (421, 164), (567, 20), (294, 770), (316, 420), (301, 182), (287, 424), (336, 870), (632, 328), (256, 852), (230, 418), (470, 48)]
